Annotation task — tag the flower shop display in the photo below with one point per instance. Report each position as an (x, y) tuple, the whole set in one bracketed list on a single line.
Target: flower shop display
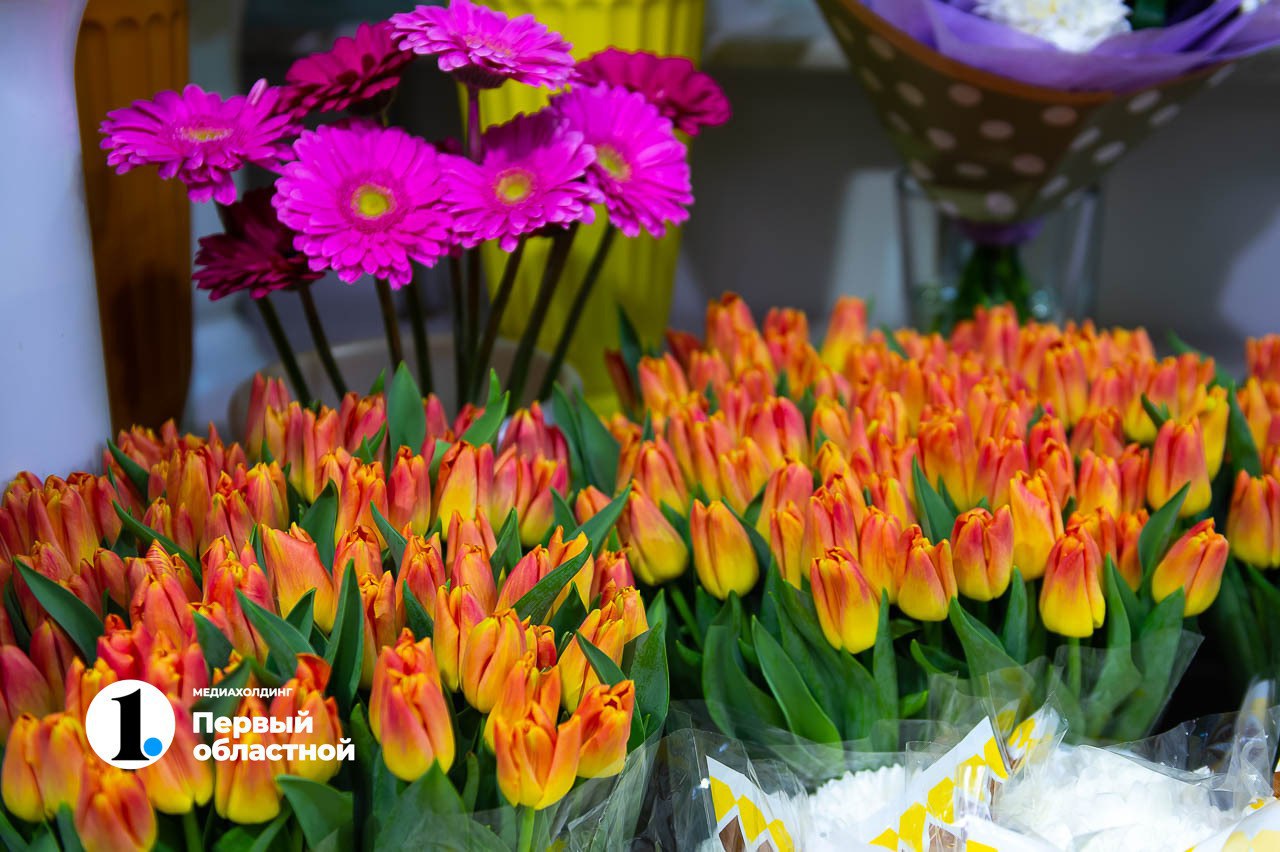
[(359, 198), (832, 526), (371, 625), (1004, 109)]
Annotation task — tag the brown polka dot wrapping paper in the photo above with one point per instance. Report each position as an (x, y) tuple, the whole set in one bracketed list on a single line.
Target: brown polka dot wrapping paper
[(987, 148)]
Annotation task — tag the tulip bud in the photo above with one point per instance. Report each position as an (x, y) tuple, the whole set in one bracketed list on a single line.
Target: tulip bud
[(1100, 430), (422, 569), (52, 653), (1071, 600), (456, 612), (743, 470), (778, 428), (830, 424), (112, 812), (662, 383), (1253, 524), (611, 566), (532, 437), (409, 492), (590, 502), (880, 555), (43, 759), (1098, 484), (603, 627), (1037, 522), (786, 541), (605, 713), (846, 330), (357, 547), (790, 484), (1194, 564), (266, 393), (948, 454), (835, 512), (1214, 413), (890, 494), (221, 583), (928, 581), (383, 618), (25, 689), (999, 461), (657, 552), (160, 604), (244, 790), (293, 563), (304, 694), (1129, 527), (125, 649), (494, 645), (463, 480), (1178, 458), (657, 474), (537, 760), (722, 551), (177, 671), (362, 488), (1063, 381), (1054, 460), (983, 553), (848, 606), (178, 782)]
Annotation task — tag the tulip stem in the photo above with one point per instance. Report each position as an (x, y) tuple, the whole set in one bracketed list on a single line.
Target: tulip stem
[(561, 243), (390, 323), (421, 345), (575, 310), (272, 321), (1074, 675), (191, 832), (496, 310), (321, 340), (527, 818), (682, 606)]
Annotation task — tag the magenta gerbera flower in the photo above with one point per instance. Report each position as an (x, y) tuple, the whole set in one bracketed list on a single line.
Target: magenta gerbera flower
[(682, 93), (533, 175), (484, 48), (256, 253), (365, 200), (199, 138), (356, 69), (641, 167)]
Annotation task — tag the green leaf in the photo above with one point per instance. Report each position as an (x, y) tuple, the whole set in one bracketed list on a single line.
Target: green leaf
[(598, 525), (367, 452), (136, 473), (320, 522), (145, 536), (9, 835), (730, 694), (562, 511), (396, 542), (884, 664), (507, 551), (536, 603), (321, 810), (302, 616), (1118, 676), (933, 660), (406, 416), (68, 611), (226, 703), (346, 641), (568, 618), (416, 616), (603, 665), (283, 639), (67, 830), (982, 650), (566, 417), (378, 384), (936, 519), (804, 717), (1159, 414), (1240, 444), (649, 666), (14, 611), (217, 649), (1014, 634), (430, 812), (1155, 536), (1156, 653), (599, 448), (486, 427), (630, 347), (891, 340)]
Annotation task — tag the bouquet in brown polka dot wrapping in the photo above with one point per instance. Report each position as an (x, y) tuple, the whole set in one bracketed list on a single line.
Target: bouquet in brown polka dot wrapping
[(1000, 132)]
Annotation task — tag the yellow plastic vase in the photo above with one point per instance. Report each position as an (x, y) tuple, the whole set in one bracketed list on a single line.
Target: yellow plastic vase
[(640, 273)]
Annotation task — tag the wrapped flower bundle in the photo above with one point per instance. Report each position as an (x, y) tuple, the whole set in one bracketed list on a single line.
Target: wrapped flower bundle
[(369, 625), (1001, 109), (835, 524), (359, 198)]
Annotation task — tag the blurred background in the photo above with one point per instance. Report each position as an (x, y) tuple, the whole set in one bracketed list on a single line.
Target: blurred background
[(796, 201)]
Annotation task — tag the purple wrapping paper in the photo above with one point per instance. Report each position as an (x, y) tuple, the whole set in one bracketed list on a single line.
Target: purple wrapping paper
[(1124, 63)]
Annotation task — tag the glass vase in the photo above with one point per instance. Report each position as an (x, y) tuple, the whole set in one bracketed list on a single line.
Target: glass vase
[(1046, 268)]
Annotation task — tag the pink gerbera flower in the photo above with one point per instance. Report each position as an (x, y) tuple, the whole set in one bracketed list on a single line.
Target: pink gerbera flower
[(198, 137), (641, 167), (365, 200), (484, 48), (256, 253), (355, 70), (682, 93), (533, 175)]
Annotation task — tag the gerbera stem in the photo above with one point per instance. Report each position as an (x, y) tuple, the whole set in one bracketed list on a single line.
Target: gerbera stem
[(473, 315), (575, 310), (390, 323), (561, 243), (421, 346), (496, 310), (272, 321), (321, 340), (473, 124), (460, 351)]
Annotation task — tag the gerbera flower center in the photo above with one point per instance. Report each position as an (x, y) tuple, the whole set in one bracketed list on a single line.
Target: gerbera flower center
[(204, 132), (371, 201), (613, 162), (514, 185)]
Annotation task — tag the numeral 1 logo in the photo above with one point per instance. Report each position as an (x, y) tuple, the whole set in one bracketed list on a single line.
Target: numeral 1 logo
[(130, 724)]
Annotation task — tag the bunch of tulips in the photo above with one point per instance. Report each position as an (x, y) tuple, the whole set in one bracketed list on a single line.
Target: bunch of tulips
[(888, 506), (402, 581)]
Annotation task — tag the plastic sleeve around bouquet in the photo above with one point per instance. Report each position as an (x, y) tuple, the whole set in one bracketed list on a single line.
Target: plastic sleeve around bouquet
[(989, 148)]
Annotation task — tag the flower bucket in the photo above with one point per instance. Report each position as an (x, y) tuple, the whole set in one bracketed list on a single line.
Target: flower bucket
[(640, 273)]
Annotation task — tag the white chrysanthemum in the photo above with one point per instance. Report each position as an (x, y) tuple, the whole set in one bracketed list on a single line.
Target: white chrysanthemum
[(1075, 25)]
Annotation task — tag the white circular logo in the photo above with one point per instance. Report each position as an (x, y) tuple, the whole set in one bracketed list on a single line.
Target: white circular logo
[(130, 724)]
